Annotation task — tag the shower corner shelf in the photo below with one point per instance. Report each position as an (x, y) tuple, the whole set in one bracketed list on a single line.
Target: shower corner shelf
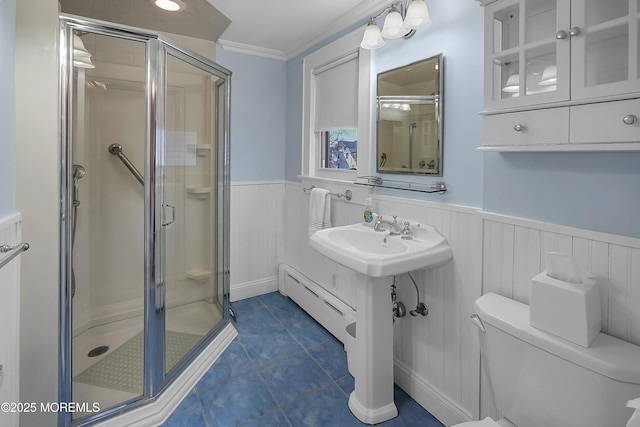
[(199, 192), (198, 275), (203, 149)]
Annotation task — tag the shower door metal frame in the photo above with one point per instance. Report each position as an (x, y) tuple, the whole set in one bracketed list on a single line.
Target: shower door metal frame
[(157, 49)]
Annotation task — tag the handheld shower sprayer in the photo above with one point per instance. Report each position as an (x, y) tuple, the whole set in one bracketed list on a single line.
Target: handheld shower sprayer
[(78, 172)]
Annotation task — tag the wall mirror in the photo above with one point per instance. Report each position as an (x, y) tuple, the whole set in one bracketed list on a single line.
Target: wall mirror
[(409, 104)]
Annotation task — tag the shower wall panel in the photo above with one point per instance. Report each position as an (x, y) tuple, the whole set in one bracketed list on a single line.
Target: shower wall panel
[(109, 246)]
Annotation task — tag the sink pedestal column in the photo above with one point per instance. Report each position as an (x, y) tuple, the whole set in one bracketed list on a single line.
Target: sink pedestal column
[(372, 400)]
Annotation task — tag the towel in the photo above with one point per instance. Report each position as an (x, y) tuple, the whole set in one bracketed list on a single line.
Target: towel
[(319, 210)]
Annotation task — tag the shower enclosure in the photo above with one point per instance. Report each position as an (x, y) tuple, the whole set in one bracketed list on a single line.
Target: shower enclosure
[(144, 229)]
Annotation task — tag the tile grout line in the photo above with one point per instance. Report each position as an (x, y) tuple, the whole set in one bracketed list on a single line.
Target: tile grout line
[(305, 349)]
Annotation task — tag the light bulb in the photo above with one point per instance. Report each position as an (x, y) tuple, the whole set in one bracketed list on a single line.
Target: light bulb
[(417, 15), (372, 38), (170, 5), (393, 27)]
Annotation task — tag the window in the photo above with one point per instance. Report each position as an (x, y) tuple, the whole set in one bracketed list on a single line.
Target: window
[(340, 149), (337, 110)]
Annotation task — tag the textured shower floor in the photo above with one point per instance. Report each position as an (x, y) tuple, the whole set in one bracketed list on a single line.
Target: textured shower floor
[(194, 319)]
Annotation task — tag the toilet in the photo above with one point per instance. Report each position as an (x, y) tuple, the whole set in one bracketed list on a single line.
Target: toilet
[(540, 380)]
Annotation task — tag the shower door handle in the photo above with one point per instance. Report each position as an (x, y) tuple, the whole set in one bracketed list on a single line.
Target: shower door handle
[(173, 215)]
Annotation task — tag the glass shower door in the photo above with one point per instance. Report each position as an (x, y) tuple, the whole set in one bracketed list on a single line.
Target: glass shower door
[(107, 219), (190, 200)]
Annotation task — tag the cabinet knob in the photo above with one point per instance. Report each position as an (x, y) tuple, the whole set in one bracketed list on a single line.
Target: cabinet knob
[(561, 35), (629, 119), (574, 31), (518, 127)]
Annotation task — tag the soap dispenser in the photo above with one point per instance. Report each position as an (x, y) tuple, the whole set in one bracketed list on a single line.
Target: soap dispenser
[(368, 211)]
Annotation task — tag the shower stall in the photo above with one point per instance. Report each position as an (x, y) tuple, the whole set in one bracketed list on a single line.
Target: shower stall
[(145, 214)]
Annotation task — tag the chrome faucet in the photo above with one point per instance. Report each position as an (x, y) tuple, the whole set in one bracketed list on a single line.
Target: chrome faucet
[(382, 224)]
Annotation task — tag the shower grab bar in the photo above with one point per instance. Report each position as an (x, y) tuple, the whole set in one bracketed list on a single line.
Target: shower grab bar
[(13, 251), (116, 150)]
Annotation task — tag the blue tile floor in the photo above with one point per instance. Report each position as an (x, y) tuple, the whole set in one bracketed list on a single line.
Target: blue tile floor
[(283, 369)]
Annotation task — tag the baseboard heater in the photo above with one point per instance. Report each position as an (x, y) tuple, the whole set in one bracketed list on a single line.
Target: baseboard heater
[(333, 314)]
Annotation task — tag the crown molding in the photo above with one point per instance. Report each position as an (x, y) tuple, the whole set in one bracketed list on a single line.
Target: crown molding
[(248, 49), (363, 10)]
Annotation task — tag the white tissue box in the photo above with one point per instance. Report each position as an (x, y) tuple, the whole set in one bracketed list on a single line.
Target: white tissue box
[(568, 310)]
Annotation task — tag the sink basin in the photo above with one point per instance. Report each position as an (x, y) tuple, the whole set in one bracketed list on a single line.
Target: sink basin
[(378, 254)]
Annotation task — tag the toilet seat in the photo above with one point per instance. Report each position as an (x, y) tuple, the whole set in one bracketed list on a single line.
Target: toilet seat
[(487, 422)]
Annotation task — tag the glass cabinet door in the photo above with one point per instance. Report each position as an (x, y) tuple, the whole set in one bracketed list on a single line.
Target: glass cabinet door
[(604, 52), (526, 63)]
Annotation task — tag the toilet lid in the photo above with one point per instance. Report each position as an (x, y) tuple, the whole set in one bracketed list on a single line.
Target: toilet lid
[(487, 422)]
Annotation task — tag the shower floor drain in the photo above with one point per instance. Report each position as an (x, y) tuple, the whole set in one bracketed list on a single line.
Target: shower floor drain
[(98, 351)]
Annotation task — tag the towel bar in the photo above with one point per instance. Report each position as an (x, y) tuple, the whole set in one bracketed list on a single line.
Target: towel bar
[(13, 251), (347, 194)]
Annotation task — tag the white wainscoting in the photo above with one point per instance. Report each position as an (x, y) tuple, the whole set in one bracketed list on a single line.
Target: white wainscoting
[(513, 253), (436, 357), (256, 237), (10, 234)]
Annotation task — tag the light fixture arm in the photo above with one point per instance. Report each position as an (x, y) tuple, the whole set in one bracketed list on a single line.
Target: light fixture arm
[(397, 5)]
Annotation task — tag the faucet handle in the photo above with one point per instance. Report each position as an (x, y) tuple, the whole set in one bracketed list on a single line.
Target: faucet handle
[(395, 221), (406, 231)]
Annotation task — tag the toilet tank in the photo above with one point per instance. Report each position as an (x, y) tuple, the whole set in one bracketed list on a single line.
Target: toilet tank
[(540, 380)]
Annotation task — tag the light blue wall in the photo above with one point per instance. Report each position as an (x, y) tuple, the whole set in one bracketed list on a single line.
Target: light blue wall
[(258, 116), (457, 33), (294, 105), (293, 154), (595, 191), (7, 107)]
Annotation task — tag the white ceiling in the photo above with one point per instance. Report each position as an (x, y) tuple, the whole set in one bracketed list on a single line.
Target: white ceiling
[(285, 28), (272, 28)]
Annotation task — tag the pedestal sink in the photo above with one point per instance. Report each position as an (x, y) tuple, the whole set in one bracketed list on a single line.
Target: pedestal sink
[(376, 256)]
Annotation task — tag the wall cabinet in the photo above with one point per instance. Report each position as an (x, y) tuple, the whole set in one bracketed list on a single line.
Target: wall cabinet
[(559, 56)]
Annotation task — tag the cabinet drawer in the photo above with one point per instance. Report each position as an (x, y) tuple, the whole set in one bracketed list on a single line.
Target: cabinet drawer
[(540, 127), (605, 122)]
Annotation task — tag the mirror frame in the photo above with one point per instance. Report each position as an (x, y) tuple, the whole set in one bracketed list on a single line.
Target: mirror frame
[(430, 99)]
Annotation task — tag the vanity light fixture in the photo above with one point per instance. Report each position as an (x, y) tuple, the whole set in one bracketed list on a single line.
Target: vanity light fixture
[(400, 21), (170, 5)]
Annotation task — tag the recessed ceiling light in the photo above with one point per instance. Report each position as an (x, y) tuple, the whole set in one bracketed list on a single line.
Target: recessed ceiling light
[(170, 5)]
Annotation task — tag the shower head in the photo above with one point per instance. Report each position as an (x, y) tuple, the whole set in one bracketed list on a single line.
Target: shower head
[(78, 172)]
